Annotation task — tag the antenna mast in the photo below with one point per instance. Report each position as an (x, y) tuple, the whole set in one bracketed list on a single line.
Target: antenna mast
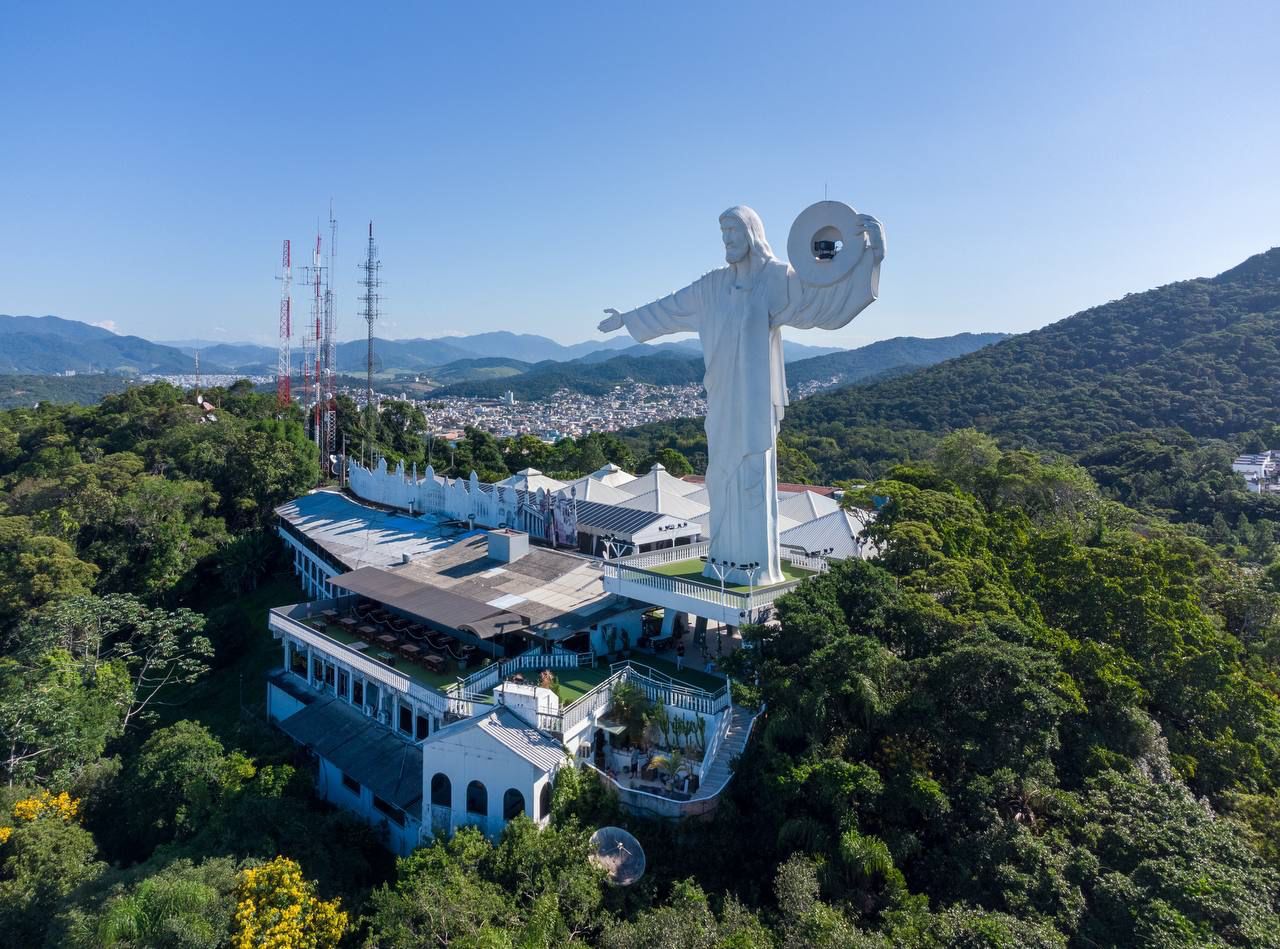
[(330, 442), (283, 367), (371, 280), (316, 273)]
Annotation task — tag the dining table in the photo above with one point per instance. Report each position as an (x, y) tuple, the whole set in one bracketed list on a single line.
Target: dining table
[(387, 639), (348, 621), (367, 631), (433, 662)]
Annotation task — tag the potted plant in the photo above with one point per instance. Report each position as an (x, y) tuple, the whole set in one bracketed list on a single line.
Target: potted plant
[(626, 645), (661, 722), (629, 708)]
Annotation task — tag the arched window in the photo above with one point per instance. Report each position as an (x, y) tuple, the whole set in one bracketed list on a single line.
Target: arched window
[(512, 804), (477, 799), (544, 801), (441, 791)]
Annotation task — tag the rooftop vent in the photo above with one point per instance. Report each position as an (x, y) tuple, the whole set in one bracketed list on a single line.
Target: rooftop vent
[(508, 546)]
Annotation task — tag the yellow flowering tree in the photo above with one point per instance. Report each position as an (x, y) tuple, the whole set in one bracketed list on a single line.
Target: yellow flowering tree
[(277, 909), (61, 806)]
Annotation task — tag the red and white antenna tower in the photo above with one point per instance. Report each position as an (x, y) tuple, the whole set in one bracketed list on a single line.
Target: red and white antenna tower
[(283, 368)]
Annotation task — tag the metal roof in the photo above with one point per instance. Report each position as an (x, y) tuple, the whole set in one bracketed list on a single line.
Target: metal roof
[(356, 744), (357, 535), (838, 530), (509, 729), (614, 519), (440, 608)]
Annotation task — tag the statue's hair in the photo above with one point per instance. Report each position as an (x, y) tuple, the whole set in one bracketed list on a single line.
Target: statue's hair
[(755, 229)]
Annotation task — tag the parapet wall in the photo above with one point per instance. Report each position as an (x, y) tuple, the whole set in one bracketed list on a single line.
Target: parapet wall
[(456, 499)]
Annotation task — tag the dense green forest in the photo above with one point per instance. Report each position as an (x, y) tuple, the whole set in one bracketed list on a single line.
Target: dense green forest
[(595, 378), (17, 391), (897, 356), (1046, 715)]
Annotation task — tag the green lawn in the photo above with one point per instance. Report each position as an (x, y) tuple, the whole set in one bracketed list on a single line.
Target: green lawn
[(692, 570), (693, 676)]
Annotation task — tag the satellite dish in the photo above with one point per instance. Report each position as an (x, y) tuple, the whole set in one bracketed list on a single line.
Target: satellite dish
[(825, 243), (619, 854)]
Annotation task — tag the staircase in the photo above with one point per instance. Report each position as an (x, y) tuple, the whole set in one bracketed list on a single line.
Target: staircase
[(735, 740)]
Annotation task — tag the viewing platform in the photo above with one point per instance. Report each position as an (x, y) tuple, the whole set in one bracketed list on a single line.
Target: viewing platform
[(672, 578)]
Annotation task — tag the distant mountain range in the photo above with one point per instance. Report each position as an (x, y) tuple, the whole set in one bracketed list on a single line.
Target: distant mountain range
[(418, 354), (482, 364), (46, 345), (672, 364), (51, 345)]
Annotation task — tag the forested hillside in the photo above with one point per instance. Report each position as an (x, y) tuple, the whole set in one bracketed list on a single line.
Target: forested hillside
[(20, 390), (594, 378), (1197, 355), (1039, 719), (898, 354)]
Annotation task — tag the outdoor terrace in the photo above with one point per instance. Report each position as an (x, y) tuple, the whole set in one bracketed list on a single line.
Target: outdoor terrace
[(576, 676), (672, 578), (691, 570)]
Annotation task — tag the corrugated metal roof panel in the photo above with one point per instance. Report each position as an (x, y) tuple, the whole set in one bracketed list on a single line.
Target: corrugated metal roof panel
[(362, 748)]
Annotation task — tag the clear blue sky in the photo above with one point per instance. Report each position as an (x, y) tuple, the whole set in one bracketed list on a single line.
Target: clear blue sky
[(527, 165)]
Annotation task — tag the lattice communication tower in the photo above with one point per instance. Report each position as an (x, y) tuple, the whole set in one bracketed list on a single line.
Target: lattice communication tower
[(330, 362), (371, 280), (283, 367)]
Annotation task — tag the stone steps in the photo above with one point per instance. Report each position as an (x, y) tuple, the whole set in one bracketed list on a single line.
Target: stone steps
[(735, 740)]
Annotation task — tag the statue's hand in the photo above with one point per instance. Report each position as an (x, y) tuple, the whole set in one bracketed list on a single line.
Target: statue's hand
[(875, 233), (611, 323)]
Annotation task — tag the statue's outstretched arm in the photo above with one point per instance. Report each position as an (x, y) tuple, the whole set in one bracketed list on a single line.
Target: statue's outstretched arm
[(830, 308), (675, 313)]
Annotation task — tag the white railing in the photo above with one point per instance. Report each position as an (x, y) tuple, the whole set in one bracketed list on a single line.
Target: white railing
[(586, 707), (732, 600), (282, 623), (671, 693), (713, 746), (676, 695), (648, 804), (656, 558), (804, 562), (487, 678)]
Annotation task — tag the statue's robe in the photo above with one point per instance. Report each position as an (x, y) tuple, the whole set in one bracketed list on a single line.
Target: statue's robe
[(746, 385)]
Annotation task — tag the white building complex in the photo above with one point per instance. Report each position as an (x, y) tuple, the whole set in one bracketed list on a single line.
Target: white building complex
[(464, 641), (1261, 471)]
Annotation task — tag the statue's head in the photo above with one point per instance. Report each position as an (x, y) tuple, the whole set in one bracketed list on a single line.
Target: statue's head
[(743, 233)]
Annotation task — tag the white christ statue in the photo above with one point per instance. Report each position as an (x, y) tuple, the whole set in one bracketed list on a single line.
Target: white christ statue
[(738, 311)]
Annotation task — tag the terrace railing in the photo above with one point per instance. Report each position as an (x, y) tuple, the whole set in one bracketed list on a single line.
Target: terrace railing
[(288, 620), (656, 558), (486, 679), (731, 606), (814, 564), (658, 685)]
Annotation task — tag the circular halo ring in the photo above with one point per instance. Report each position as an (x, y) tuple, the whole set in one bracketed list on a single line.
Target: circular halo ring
[(840, 222)]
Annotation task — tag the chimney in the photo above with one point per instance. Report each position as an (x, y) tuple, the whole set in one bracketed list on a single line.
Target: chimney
[(527, 701), (507, 546)]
